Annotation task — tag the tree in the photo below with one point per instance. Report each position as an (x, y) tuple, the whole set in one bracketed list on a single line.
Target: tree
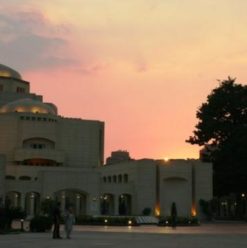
[(222, 127)]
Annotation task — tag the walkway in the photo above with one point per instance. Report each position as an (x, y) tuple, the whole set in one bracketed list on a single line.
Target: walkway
[(205, 236)]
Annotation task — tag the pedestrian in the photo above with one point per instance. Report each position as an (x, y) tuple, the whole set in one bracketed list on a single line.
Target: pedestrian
[(56, 221), (174, 215), (69, 221)]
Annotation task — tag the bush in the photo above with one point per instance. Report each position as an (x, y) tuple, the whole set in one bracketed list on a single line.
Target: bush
[(180, 221), (146, 211), (40, 224), (8, 214)]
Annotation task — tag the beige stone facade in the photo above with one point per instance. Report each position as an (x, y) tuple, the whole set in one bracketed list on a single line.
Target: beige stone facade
[(47, 156)]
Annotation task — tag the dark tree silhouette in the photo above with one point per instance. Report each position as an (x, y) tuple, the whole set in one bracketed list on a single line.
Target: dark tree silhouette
[(222, 129)]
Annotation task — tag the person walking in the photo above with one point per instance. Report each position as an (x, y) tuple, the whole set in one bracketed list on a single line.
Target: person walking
[(56, 221), (69, 221), (174, 215)]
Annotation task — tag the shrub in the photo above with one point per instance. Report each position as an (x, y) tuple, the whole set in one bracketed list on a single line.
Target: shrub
[(146, 211), (40, 224), (8, 214), (206, 207), (180, 221), (105, 220)]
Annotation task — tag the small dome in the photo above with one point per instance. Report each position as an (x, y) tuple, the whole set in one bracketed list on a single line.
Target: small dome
[(28, 106), (7, 72)]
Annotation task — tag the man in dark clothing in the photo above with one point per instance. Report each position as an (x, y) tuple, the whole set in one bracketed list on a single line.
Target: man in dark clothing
[(56, 221)]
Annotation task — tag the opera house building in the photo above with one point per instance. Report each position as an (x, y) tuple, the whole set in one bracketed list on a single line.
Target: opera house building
[(47, 156)]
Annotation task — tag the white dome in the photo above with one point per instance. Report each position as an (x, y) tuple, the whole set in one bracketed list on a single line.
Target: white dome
[(7, 72), (28, 106)]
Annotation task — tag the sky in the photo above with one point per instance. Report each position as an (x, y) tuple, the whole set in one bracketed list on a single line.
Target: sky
[(143, 67)]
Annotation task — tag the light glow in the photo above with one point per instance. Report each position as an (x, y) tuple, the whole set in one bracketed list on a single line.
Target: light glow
[(157, 211), (193, 212)]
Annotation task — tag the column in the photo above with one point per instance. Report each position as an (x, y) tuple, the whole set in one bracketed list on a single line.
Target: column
[(95, 200), (16, 200), (116, 204), (63, 202), (2, 179), (32, 204), (78, 204), (22, 200)]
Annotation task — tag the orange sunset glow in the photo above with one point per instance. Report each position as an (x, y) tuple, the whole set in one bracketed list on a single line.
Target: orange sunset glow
[(141, 66)]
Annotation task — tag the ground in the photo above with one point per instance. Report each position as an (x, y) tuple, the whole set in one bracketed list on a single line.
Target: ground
[(220, 235)]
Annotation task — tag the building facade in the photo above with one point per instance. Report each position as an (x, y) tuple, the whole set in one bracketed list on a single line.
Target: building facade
[(47, 156)]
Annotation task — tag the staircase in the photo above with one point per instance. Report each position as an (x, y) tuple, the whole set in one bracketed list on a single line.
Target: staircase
[(146, 220)]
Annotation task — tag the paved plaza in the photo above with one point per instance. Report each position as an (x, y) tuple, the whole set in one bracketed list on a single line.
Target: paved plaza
[(220, 235)]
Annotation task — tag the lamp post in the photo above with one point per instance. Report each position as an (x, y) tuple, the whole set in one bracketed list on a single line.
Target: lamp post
[(243, 201), (22, 225)]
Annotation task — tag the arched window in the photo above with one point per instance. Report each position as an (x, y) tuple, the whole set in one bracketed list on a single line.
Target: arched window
[(104, 179), (126, 178), (109, 179), (114, 178), (38, 143)]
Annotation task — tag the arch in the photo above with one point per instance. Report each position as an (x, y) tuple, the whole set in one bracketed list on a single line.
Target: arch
[(174, 189), (38, 143), (107, 204), (125, 204), (32, 203), (75, 198), (13, 199)]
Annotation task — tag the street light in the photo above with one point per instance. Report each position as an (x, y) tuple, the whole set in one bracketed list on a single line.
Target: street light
[(22, 224)]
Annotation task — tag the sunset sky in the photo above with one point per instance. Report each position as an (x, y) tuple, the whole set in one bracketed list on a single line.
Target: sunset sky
[(141, 66)]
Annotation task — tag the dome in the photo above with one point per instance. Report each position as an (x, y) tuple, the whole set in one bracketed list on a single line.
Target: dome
[(28, 106), (7, 72)]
